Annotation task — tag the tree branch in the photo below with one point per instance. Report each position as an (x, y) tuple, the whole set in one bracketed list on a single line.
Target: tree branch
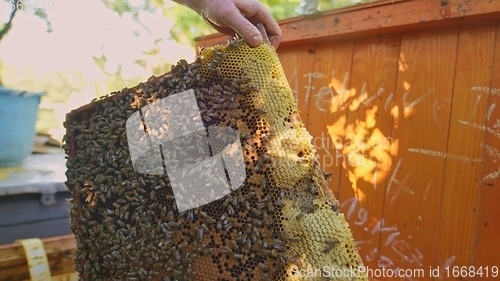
[(8, 25)]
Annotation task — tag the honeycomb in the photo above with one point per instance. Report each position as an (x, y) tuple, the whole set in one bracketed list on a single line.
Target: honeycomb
[(275, 218)]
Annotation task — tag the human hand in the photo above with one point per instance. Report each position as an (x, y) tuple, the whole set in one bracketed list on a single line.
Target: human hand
[(238, 16)]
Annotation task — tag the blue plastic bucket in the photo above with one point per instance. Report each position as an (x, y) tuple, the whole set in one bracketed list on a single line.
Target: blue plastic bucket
[(18, 115)]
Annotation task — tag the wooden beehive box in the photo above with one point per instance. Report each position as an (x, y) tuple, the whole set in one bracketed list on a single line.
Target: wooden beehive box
[(60, 252), (402, 99)]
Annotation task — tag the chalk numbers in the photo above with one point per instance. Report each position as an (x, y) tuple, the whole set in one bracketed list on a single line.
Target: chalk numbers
[(28, 5), (471, 271)]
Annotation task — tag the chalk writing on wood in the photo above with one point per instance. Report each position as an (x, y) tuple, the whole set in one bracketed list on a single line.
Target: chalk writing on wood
[(492, 175), (410, 105), (437, 106), (491, 91), (388, 101), (295, 87), (492, 151), (476, 104), (447, 264), (329, 95), (396, 243), (401, 185), (343, 89), (427, 189), (495, 131), (309, 87), (445, 155), (491, 107), (325, 95)]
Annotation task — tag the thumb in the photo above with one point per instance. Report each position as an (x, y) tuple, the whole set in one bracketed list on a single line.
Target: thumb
[(245, 29)]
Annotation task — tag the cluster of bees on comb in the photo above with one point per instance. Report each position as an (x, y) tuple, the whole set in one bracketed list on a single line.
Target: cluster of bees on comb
[(281, 222)]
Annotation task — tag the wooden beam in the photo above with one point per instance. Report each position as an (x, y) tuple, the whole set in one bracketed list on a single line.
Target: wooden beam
[(380, 17), (60, 252)]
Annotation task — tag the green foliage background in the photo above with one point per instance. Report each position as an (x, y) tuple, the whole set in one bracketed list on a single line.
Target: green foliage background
[(187, 26)]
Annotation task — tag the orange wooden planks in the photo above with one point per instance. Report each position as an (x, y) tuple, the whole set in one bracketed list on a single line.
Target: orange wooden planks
[(421, 114), (487, 244), (386, 16), (463, 161), (297, 62), (366, 143), (326, 93)]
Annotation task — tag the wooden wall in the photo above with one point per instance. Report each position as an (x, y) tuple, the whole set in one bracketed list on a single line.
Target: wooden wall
[(403, 101), (408, 124)]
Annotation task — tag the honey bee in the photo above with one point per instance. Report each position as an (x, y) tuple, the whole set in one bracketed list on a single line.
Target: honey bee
[(330, 244)]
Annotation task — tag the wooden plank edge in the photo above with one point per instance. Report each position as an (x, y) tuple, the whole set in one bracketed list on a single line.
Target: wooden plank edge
[(13, 254), (62, 267), (376, 18)]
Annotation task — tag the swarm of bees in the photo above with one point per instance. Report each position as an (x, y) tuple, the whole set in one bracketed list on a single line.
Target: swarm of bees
[(281, 221)]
